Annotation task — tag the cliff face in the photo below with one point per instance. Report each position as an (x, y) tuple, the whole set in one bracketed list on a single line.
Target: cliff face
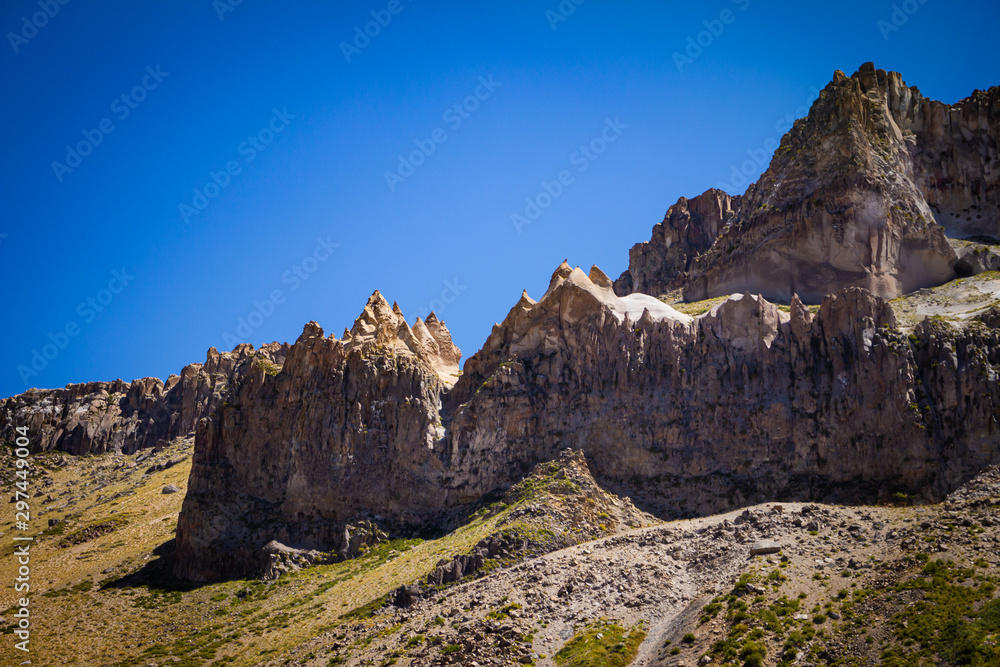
[(344, 429), (742, 404), (97, 417), (689, 228), (860, 193), (686, 415), (955, 153)]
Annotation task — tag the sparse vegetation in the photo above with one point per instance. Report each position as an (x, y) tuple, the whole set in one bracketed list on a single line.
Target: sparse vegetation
[(603, 644), (696, 308), (932, 612), (955, 618)]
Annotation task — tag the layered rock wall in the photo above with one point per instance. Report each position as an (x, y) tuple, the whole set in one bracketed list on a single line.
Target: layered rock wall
[(310, 451), (346, 429), (685, 415), (745, 403), (97, 417)]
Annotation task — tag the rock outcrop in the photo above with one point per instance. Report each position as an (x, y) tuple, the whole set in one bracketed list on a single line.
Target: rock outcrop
[(346, 429), (860, 193), (744, 403), (975, 258), (689, 228), (97, 417), (685, 415), (558, 505), (316, 451)]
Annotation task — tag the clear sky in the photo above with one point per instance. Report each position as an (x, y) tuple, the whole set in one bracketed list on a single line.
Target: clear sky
[(169, 167)]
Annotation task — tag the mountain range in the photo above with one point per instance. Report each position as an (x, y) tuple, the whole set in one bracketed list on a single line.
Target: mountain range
[(823, 349)]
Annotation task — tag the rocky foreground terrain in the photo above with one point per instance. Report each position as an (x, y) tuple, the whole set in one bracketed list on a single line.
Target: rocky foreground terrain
[(773, 440), (567, 571)]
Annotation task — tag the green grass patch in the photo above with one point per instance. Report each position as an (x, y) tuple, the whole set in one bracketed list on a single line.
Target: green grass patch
[(602, 644), (157, 599), (697, 308), (367, 610), (955, 619)]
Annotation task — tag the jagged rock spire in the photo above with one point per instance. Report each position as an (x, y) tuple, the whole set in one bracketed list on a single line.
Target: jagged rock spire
[(428, 340)]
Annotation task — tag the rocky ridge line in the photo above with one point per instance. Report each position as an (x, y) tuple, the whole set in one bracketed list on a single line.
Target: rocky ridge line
[(861, 193), (344, 431), (687, 416), (98, 417)]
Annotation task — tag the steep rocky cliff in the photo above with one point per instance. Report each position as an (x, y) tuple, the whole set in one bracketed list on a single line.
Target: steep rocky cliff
[(861, 192), (345, 429), (689, 228), (743, 403), (97, 417), (322, 447), (686, 415)]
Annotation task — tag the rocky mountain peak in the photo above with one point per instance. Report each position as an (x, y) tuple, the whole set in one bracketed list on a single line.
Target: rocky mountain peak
[(382, 325), (573, 299), (329, 445), (864, 191), (688, 229), (378, 321)]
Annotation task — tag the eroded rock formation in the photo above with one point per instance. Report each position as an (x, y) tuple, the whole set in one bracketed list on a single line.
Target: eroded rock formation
[(685, 415), (314, 451), (861, 192), (743, 403), (689, 228), (347, 428), (96, 417)]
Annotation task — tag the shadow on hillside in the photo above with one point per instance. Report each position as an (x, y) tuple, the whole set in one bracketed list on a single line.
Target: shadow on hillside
[(675, 498), (156, 574)]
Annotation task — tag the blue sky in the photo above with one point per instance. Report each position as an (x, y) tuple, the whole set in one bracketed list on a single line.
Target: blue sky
[(171, 168)]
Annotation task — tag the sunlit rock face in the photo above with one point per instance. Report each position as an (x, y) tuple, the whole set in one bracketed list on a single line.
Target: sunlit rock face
[(744, 403), (319, 448), (860, 193), (344, 429)]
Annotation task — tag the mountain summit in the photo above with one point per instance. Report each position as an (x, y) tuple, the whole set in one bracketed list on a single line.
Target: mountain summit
[(863, 192)]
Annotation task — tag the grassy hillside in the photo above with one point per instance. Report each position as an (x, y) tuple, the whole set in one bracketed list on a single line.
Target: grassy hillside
[(895, 585)]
